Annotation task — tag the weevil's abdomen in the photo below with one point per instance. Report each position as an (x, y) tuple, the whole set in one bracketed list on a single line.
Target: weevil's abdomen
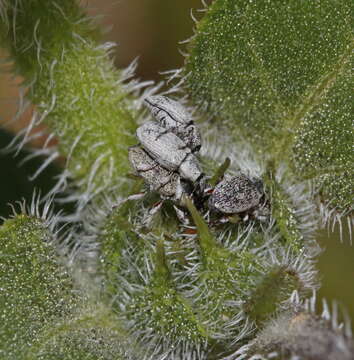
[(235, 195), (156, 177)]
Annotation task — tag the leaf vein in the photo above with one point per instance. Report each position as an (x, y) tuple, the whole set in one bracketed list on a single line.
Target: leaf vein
[(319, 90)]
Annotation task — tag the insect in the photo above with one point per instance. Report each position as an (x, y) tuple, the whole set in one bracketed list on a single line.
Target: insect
[(239, 195), (165, 159), (175, 118), (169, 151), (167, 184)]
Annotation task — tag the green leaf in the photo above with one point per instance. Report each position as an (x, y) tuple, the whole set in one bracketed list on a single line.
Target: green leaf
[(42, 315), (324, 140), (278, 74)]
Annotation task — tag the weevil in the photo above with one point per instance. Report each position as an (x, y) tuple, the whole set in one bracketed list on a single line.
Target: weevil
[(175, 118), (239, 195), (169, 151), (167, 184)]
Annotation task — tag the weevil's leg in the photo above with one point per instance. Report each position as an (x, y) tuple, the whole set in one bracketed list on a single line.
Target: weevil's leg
[(156, 207), (168, 179), (148, 168), (179, 190), (224, 220), (207, 216), (220, 221), (262, 214), (201, 188), (133, 197), (181, 215), (246, 218), (151, 213), (208, 191)]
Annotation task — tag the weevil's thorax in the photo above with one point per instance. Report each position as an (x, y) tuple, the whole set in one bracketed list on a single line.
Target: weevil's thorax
[(191, 136), (190, 169)]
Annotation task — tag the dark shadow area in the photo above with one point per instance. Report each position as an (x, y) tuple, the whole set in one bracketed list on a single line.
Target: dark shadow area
[(14, 179)]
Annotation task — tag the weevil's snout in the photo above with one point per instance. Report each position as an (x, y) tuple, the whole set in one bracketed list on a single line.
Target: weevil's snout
[(149, 102), (152, 101)]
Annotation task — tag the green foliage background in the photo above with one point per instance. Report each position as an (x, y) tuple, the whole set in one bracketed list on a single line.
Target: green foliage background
[(336, 263)]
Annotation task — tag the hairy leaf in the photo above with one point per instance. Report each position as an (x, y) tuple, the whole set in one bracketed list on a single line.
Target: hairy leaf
[(74, 85), (278, 74)]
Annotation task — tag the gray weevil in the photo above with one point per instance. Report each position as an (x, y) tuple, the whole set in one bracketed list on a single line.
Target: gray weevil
[(167, 184), (174, 117), (238, 194), (169, 151)]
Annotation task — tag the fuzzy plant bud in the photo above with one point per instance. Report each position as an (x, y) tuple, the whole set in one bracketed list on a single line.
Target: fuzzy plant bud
[(35, 289), (76, 91)]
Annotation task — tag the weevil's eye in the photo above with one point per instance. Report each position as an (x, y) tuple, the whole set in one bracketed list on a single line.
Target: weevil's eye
[(197, 148)]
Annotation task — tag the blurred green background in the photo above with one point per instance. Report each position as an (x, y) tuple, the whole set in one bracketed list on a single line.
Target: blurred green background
[(150, 30)]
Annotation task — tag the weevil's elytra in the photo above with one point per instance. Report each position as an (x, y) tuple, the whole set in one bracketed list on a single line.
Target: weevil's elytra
[(167, 184), (168, 112), (176, 119), (169, 151), (235, 194)]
